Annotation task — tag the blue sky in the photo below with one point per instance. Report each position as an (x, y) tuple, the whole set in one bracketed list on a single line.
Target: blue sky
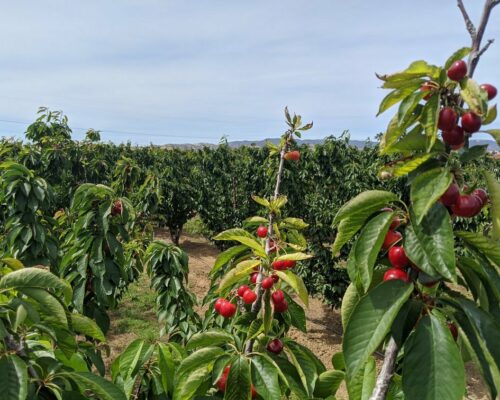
[(192, 71)]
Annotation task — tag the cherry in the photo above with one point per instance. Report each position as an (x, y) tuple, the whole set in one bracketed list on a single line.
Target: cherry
[(395, 222), (218, 303), (275, 346), (262, 231), (227, 309), (116, 209), (457, 71), (454, 137), (253, 277), (278, 265), (288, 264), (490, 90), (427, 87), (249, 297), (281, 307), (292, 155), (397, 257), (242, 289), (275, 277), (447, 119), (253, 391), (471, 122), (278, 296), (391, 238), (395, 273), (453, 330), (482, 194), (451, 195), (222, 382), (467, 205), (272, 246), (267, 283)]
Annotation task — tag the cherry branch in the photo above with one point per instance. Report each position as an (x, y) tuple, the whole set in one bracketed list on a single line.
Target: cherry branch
[(387, 371)]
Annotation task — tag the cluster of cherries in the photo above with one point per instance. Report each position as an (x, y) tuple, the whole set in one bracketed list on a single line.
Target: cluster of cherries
[(222, 382), (396, 254), (116, 209), (464, 205), (454, 134), (292, 155)]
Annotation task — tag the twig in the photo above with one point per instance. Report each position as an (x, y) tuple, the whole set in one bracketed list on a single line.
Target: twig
[(485, 47), (387, 371), (20, 350), (468, 23)]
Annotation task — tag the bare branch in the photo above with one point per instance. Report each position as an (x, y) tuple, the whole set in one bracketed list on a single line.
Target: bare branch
[(387, 371), (468, 23), (485, 47)]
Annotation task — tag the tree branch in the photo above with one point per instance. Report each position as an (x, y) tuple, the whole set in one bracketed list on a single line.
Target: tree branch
[(387, 371), (485, 47), (468, 23)]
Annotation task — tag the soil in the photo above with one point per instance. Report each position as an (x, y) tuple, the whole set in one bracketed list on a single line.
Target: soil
[(324, 325)]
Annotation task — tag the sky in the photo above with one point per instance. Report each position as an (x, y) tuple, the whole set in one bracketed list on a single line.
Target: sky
[(151, 71)]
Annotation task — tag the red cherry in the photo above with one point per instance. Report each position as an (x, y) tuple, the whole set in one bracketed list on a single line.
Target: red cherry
[(222, 382), (454, 137), (395, 273), (227, 309), (281, 307), (275, 346), (218, 303), (267, 283), (397, 257), (292, 155), (447, 119), (451, 195), (272, 246), (453, 330), (249, 297), (262, 231), (482, 194), (275, 277), (278, 265), (471, 122), (490, 90), (427, 87), (116, 209), (396, 221), (278, 296), (287, 264), (457, 71), (457, 146), (391, 238), (242, 289), (467, 205), (253, 277), (253, 391)]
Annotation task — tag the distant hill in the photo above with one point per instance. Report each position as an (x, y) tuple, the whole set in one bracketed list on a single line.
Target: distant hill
[(492, 145)]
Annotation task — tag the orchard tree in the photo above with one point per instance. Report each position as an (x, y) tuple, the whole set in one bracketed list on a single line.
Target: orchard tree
[(423, 289)]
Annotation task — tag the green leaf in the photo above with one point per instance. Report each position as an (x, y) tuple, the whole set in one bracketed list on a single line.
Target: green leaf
[(304, 365), (362, 385), (488, 247), (13, 378), (242, 236), (395, 97), (495, 133), (86, 326), (226, 256), (430, 245), (408, 105), (328, 383), (193, 370), (104, 389), (491, 115), (474, 96), (494, 193), (49, 305), (473, 153), (434, 354), (261, 201), (417, 69), (253, 221), (297, 314), (365, 251), (406, 165), (429, 120), (457, 55), (265, 378), (12, 263), (338, 361), (294, 256), (238, 381), (427, 188), (293, 223), (345, 231), (370, 322), (212, 337), (239, 271), (349, 301), (296, 283)]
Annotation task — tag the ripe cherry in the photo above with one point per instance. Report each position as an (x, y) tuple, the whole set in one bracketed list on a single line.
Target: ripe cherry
[(292, 155), (447, 119), (249, 297), (490, 90), (262, 231), (471, 122), (275, 346), (395, 273), (116, 209), (222, 382), (267, 283), (253, 277), (218, 303), (467, 205), (281, 307), (278, 265), (289, 264), (253, 391), (272, 246), (395, 222), (454, 137), (391, 238), (278, 296), (397, 257), (427, 87), (453, 330), (451, 195), (482, 194), (227, 309), (275, 277), (457, 71), (242, 289)]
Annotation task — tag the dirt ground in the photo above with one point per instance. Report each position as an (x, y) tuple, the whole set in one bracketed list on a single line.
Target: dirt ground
[(324, 326)]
